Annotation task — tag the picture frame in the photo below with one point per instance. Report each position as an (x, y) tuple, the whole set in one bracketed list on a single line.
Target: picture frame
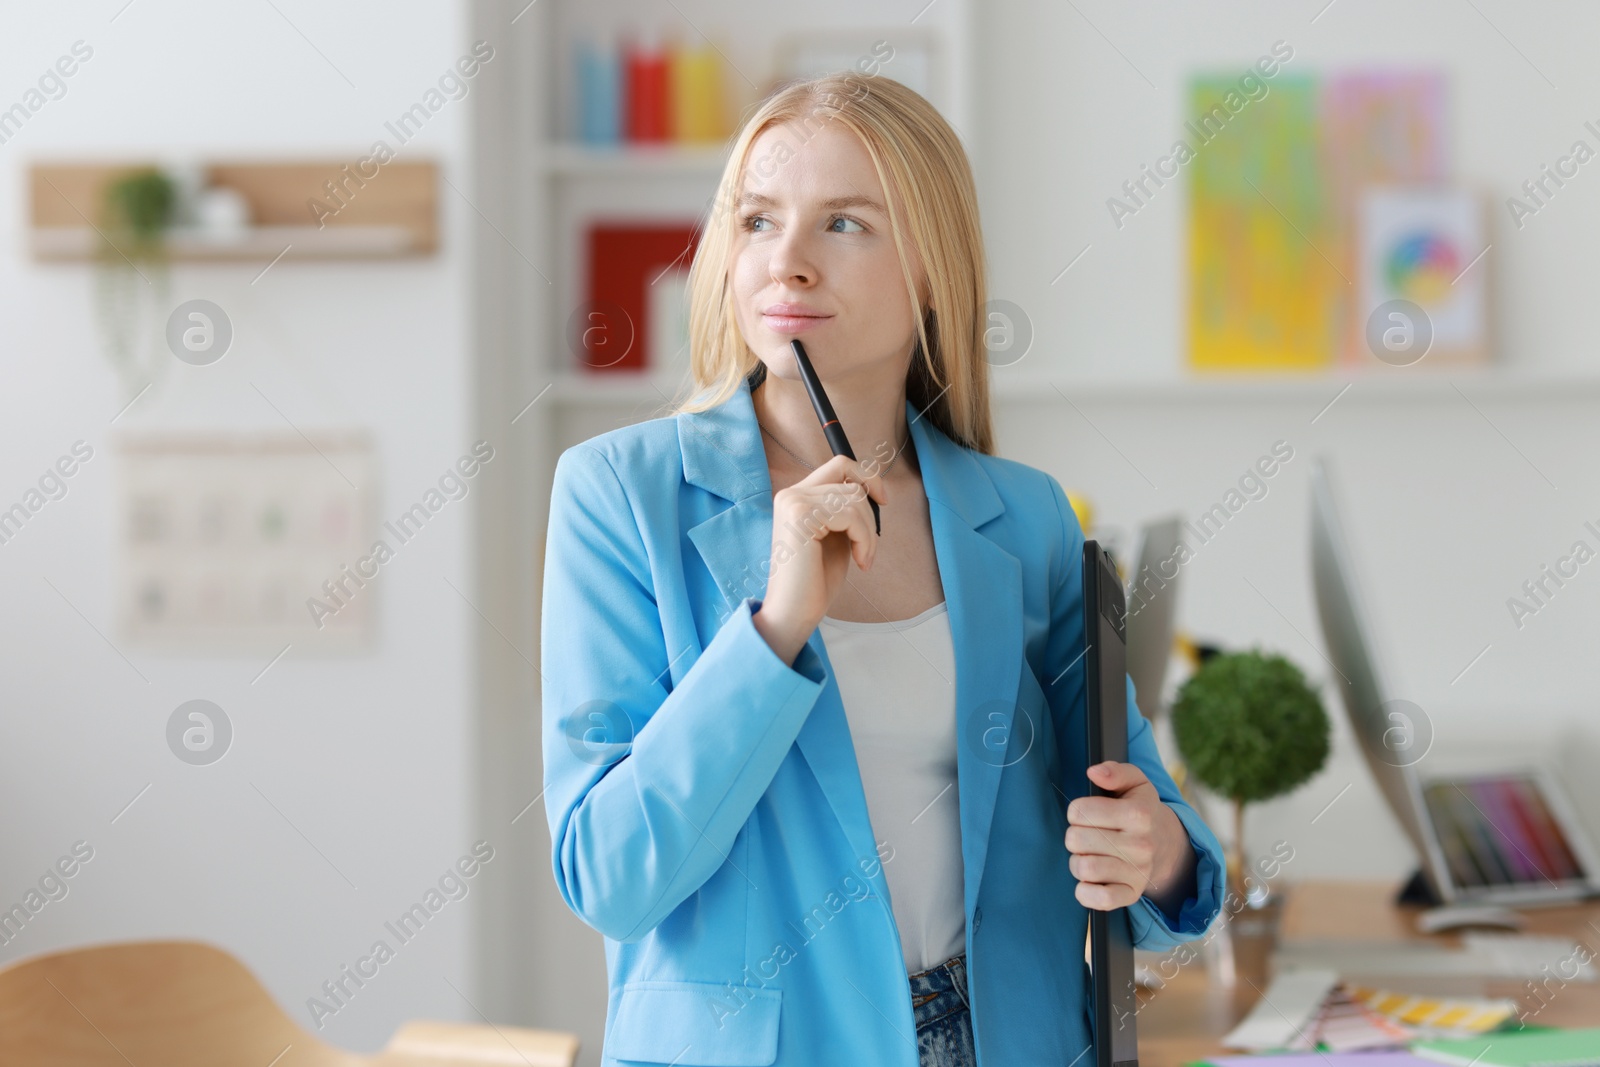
[(1423, 282)]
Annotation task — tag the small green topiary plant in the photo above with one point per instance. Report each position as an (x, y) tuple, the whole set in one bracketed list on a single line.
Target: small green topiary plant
[(1249, 728)]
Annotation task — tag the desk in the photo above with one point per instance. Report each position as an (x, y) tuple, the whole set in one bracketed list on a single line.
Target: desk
[(1185, 1019)]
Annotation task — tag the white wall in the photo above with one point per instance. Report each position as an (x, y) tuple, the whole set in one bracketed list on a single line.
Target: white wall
[(1449, 507), (367, 758)]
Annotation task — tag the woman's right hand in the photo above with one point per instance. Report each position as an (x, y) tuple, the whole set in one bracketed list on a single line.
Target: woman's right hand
[(819, 524)]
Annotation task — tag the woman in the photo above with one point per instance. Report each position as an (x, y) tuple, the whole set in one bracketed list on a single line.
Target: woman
[(822, 788)]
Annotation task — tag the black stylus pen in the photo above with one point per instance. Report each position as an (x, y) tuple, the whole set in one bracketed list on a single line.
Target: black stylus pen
[(831, 429)]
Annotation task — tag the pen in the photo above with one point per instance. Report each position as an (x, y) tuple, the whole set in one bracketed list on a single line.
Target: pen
[(830, 422)]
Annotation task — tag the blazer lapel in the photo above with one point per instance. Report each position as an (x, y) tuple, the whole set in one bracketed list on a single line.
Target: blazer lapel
[(722, 453)]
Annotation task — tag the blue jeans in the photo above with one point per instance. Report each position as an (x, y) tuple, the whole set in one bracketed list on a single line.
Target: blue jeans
[(943, 1015)]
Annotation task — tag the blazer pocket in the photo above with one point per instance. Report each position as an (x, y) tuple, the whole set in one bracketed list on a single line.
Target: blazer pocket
[(699, 1023)]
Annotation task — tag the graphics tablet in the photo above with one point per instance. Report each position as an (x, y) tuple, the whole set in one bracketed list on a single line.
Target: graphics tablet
[(1110, 938)]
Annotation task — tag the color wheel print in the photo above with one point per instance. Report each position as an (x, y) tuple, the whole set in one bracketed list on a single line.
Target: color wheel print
[(1421, 267)]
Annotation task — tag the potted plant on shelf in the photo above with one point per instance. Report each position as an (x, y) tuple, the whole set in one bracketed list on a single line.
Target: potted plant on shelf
[(1249, 729), (131, 278)]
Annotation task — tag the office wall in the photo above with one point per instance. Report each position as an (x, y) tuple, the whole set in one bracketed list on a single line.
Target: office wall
[(1453, 500), (347, 791)]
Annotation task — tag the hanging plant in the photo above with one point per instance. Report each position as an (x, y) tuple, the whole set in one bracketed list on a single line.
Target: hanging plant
[(131, 277)]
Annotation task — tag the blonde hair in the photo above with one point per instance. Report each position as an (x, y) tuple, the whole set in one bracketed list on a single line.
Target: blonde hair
[(920, 160)]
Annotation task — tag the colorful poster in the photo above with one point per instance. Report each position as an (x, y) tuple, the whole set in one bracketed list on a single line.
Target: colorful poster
[(1264, 291), (1378, 128)]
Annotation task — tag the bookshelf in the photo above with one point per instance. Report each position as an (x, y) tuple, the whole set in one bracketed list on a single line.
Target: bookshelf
[(532, 192), (565, 185)]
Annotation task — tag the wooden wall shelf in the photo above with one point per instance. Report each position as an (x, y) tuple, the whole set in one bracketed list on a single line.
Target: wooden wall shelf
[(393, 214)]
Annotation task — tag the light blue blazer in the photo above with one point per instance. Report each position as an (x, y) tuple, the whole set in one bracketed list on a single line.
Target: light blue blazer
[(705, 806)]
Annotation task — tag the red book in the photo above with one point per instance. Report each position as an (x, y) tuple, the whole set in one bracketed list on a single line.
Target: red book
[(647, 109), (613, 331)]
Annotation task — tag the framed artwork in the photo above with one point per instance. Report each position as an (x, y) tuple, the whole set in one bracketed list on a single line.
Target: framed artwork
[(1380, 127), (243, 544), (1424, 281), (1262, 295)]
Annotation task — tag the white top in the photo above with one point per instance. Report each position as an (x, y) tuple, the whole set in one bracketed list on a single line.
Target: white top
[(898, 684)]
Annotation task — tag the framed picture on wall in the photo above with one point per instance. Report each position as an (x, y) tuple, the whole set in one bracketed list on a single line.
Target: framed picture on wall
[(242, 544), (1423, 290)]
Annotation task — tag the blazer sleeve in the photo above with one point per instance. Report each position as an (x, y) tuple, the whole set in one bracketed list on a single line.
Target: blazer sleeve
[(647, 784), (1152, 928)]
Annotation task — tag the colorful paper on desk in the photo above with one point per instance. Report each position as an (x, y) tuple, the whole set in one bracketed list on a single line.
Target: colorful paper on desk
[(1399, 1058), (1284, 1010), (1530, 1048), (1347, 1025), (1343, 1017), (1427, 1015)]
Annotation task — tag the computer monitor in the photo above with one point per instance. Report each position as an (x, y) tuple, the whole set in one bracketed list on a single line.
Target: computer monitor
[(1510, 837), (1153, 612)]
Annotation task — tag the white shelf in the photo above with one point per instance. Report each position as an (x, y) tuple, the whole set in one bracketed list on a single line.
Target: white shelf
[(1493, 383), (1389, 383), (577, 388), (569, 159)]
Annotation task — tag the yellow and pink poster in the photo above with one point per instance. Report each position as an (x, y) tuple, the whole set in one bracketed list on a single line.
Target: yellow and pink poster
[(1380, 129), (1263, 290)]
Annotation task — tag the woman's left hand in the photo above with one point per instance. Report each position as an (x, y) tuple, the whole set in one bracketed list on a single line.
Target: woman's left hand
[(1127, 845)]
